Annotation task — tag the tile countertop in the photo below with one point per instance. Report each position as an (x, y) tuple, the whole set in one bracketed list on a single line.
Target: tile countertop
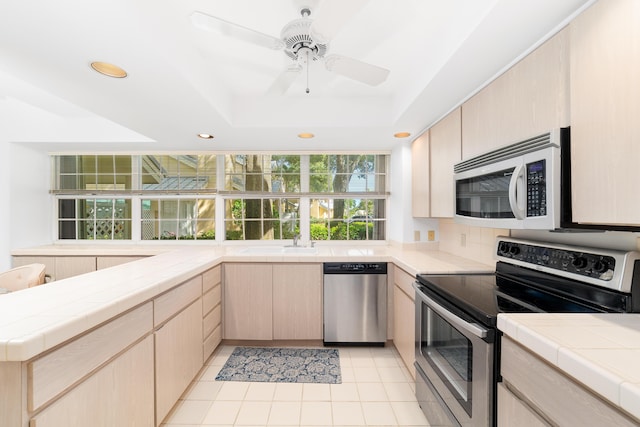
[(602, 351), (37, 319)]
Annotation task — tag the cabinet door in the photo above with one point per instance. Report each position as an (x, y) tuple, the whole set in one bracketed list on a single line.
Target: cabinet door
[(178, 357), (69, 266), (297, 301), (119, 394), (248, 302), (605, 106), (529, 99), (445, 147), (110, 261), (513, 411), (48, 261), (420, 176), (404, 327)]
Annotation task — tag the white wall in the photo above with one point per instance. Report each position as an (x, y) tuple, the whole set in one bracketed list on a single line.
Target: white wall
[(29, 211), (5, 204), (402, 225)]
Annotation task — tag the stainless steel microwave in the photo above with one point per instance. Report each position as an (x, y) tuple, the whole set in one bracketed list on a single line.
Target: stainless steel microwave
[(517, 186)]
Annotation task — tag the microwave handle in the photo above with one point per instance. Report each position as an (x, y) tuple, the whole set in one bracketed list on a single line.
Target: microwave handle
[(516, 187)]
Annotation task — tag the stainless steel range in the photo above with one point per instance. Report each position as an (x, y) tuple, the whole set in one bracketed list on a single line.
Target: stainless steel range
[(457, 342)]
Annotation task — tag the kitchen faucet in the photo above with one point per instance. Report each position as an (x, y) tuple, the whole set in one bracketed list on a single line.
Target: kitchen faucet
[(296, 237)]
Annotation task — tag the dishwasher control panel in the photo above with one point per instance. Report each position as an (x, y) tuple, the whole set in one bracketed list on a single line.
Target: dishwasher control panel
[(355, 268)]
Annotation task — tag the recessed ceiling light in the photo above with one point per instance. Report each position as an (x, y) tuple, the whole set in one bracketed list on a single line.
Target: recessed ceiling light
[(305, 135), (205, 136), (109, 69), (402, 134)]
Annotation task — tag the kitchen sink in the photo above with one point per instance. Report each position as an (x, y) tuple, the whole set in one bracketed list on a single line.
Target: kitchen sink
[(276, 250)]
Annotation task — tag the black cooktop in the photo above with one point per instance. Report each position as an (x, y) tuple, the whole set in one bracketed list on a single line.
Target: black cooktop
[(513, 289)]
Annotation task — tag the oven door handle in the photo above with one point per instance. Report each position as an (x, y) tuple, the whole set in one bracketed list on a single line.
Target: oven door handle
[(472, 328)]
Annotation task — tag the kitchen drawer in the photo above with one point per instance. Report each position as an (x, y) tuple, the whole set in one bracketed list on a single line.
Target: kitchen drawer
[(211, 278), (553, 395), (211, 299), (52, 374), (211, 320), (170, 303), (212, 342), (404, 281)]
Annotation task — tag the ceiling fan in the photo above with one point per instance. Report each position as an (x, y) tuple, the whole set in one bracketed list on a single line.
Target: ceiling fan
[(303, 40)]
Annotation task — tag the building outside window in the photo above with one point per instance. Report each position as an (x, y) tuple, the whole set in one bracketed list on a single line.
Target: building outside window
[(259, 196)]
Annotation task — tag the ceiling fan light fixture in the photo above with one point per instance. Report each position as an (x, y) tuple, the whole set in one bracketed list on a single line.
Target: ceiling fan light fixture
[(306, 135), (402, 135), (108, 69), (205, 136)]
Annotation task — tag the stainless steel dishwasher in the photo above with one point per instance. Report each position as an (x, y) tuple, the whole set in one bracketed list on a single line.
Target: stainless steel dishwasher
[(355, 303)]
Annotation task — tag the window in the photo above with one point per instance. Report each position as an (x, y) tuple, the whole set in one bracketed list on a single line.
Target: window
[(257, 196), (177, 173), (87, 172), (262, 173), (361, 215), (262, 219), (178, 219), (94, 219), (347, 219)]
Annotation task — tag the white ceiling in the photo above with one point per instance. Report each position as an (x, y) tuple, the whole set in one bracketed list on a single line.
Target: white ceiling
[(183, 80)]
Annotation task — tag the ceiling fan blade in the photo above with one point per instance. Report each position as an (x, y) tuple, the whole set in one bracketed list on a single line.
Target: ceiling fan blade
[(211, 23), (285, 80), (356, 70), (331, 17)]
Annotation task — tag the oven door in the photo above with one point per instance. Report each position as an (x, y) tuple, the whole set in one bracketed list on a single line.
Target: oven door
[(455, 361)]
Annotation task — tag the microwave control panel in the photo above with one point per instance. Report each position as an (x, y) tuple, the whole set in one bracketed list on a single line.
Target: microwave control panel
[(536, 189)]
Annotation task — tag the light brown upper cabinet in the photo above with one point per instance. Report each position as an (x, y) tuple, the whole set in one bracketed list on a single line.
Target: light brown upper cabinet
[(529, 99), (420, 176), (445, 145), (605, 108)]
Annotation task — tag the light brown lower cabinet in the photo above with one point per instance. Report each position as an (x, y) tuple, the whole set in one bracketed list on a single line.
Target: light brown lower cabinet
[(297, 301), (512, 408), (248, 302), (273, 301), (404, 323), (119, 394), (178, 357), (535, 393)]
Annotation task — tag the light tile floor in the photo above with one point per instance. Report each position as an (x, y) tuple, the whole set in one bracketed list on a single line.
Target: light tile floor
[(376, 390)]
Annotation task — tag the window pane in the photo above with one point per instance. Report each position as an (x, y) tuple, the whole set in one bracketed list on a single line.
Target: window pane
[(104, 219), (67, 230), (262, 219), (175, 173), (183, 219), (262, 173), (66, 208), (347, 219), (67, 164), (341, 173), (90, 172)]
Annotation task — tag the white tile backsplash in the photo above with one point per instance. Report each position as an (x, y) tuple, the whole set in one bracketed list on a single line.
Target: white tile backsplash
[(476, 243)]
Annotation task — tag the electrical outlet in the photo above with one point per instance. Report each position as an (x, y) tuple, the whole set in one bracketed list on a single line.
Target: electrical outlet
[(431, 235), (416, 235), (463, 240)]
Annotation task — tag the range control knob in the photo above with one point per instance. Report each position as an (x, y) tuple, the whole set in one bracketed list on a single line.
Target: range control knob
[(503, 248), (600, 266), (579, 262), (514, 250)]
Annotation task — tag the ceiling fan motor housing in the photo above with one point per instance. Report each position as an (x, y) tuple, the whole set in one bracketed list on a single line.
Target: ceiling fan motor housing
[(296, 36)]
